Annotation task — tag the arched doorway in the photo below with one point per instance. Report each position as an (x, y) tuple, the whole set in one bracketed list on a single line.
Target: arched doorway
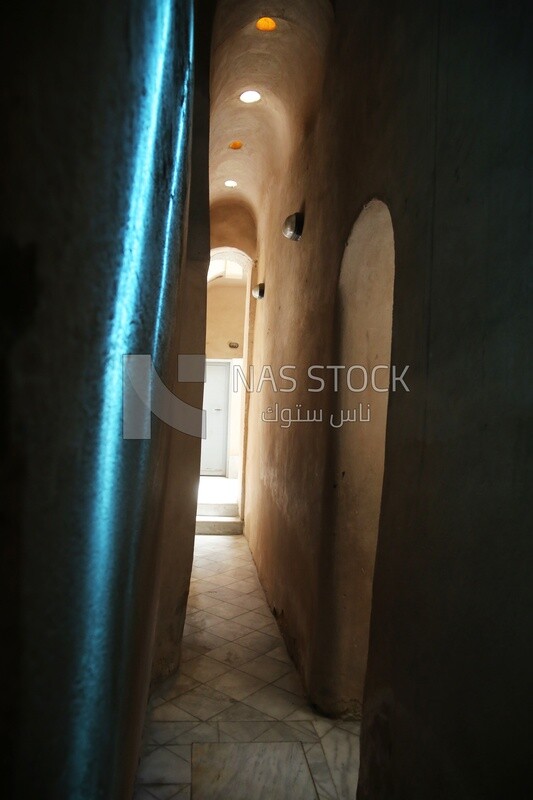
[(228, 294)]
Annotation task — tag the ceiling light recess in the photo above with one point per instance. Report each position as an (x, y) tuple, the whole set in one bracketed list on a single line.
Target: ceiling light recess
[(250, 96), (230, 184), (266, 24)]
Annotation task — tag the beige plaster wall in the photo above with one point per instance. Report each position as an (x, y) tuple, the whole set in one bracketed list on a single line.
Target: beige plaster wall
[(177, 474), (416, 112), (226, 308)]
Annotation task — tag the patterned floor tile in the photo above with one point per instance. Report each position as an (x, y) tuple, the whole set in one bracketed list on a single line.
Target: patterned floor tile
[(267, 668), (170, 712), (204, 668), (238, 702), (275, 701), (274, 771), (233, 654), (204, 702), (163, 766), (236, 684)]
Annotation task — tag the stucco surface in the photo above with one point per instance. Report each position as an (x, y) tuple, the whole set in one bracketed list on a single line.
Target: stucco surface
[(226, 307), (417, 110)]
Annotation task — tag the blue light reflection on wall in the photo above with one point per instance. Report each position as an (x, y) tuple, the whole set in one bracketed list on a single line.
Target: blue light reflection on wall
[(177, 201), (138, 272)]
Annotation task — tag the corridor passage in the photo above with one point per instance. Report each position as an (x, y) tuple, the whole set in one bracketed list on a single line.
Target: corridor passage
[(235, 723)]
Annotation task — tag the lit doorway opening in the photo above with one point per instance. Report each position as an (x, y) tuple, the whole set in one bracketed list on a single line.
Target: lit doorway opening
[(221, 470)]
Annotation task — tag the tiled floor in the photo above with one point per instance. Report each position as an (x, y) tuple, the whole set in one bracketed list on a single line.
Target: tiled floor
[(235, 723)]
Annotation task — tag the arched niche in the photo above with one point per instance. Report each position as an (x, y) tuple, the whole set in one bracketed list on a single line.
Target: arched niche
[(364, 338), (365, 307)]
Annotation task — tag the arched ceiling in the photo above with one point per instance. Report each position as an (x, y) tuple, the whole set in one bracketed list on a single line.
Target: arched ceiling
[(286, 67)]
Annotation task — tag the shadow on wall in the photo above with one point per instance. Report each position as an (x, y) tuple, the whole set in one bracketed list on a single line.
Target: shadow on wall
[(357, 452)]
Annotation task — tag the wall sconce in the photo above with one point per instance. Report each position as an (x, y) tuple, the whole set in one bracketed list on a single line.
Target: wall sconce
[(293, 226), (259, 291)]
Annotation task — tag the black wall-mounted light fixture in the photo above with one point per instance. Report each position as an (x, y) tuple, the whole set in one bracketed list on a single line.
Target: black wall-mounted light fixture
[(259, 291), (293, 226)]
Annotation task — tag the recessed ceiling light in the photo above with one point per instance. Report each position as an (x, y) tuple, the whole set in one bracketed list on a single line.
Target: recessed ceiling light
[(231, 184), (266, 24), (235, 145), (250, 96)]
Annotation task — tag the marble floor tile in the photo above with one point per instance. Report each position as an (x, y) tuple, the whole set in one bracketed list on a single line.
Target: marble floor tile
[(323, 726), (352, 726), (265, 611), (203, 732), (266, 668), (178, 684), (261, 642), (203, 641), (280, 653), (170, 712), (204, 668), (321, 773), (271, 629), (221, 579), (201, 619), (252, 620), (168, 792), (231, 630), (227, 594), (342, 755), (202, 573), (226, 611), (241, 712), (289, 732), (275, 771), (306, 712), (201, 601), (250, 603), (246, 731), (162, 733), (275, 701), (188, 629), (246, 586), (233, 654), (201, 587), (164, 765), (238, 689), (204, 702), (142, 794), (236, 684), (291, 682)]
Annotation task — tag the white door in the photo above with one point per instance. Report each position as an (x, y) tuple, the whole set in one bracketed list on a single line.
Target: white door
[(216, 404)]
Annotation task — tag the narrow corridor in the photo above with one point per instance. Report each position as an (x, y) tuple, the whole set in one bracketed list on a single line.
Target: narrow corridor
[(235, 723)]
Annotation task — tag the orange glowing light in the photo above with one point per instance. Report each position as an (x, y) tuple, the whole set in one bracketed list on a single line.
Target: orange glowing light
[(266, 24), (236, 145)]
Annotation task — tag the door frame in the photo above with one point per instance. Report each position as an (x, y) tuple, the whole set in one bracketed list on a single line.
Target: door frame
[(227, 363)]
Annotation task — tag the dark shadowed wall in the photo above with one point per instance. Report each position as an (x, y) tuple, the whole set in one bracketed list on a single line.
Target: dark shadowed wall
[(94, 215)]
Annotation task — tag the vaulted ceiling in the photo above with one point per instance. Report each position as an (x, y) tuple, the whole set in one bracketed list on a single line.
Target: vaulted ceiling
[(286, 67)]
